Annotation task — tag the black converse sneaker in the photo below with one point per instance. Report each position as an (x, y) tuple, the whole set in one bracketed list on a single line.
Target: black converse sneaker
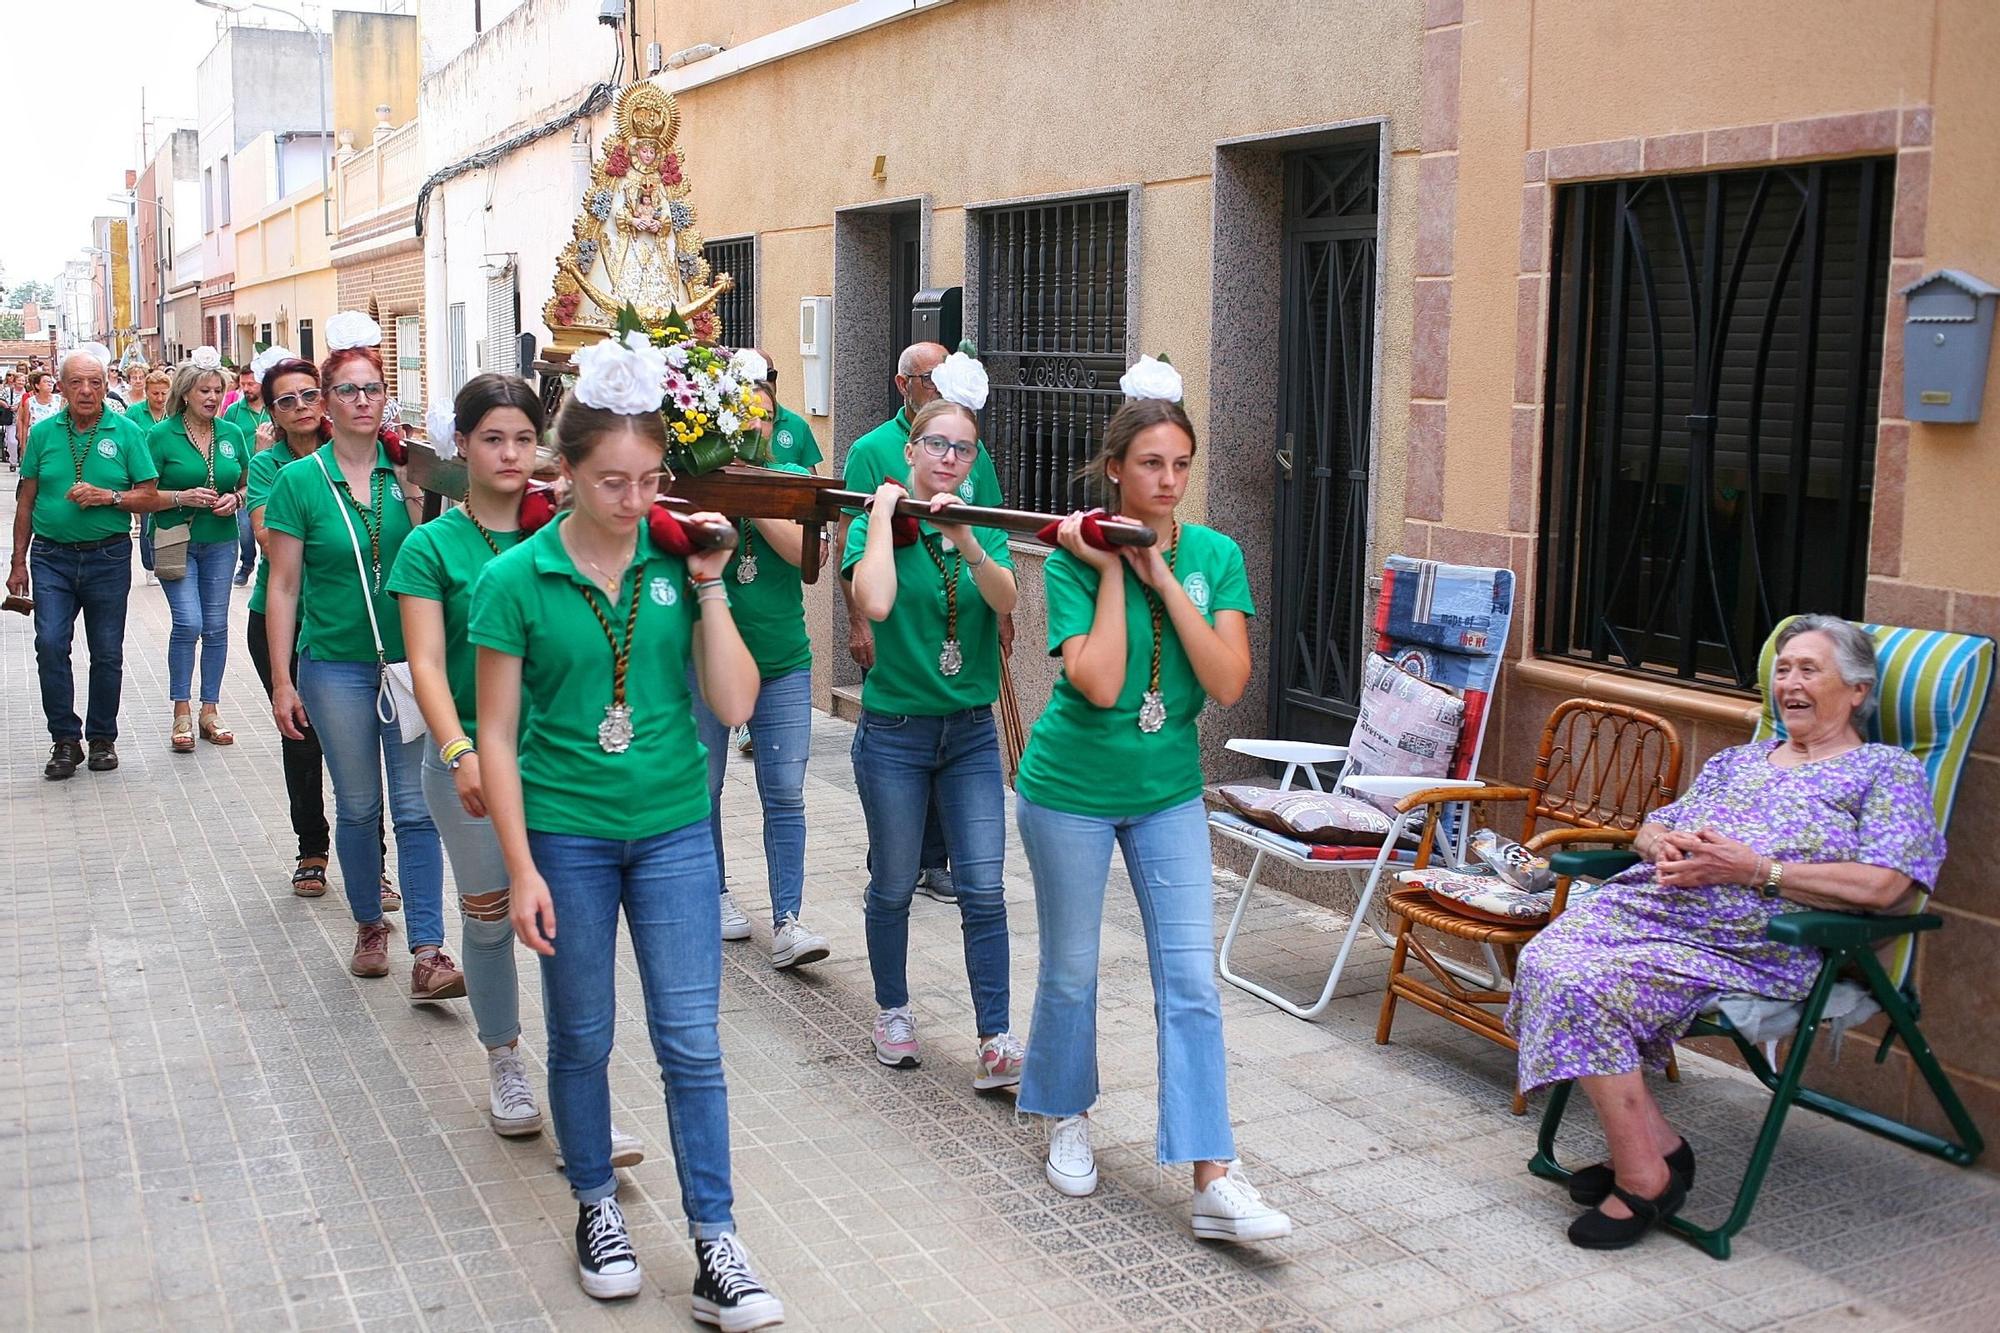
[(604, 1258), (726, 1291)]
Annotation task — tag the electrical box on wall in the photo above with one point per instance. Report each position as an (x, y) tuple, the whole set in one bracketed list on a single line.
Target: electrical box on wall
[(1947, 341), (816, 353), (938, 316)]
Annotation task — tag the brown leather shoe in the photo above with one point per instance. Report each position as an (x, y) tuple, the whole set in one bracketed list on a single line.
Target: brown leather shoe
[(64, 756), (371, 950), (433, 976)]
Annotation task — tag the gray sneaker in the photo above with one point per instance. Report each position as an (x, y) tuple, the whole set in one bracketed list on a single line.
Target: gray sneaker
[(936, 882), (792, 944), (735, 925)]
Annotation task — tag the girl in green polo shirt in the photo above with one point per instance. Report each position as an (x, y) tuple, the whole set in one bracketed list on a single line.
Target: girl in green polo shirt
[(334, 524), (1147, 635), (935, 597), (592, 774), (202, 462)]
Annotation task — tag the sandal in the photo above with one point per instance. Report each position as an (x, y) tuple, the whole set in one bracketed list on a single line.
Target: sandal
[(1598, 1230), (214, 732), (309, 879), (182, 739), (1591, 1185)]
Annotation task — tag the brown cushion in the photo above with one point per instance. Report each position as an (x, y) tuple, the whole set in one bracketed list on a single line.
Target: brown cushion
[(1309, 816)]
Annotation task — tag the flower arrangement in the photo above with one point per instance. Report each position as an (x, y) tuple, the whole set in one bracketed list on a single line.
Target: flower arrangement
[(703, 392)]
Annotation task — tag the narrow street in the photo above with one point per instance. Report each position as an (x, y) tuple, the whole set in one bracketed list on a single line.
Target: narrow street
[(208, 1124)]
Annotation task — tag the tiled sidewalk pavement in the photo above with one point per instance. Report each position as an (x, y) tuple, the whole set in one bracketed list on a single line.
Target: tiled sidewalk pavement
[(208, 1124)]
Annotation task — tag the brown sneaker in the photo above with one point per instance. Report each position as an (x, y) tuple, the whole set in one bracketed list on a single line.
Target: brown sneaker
[(433, 976), (371, 950)]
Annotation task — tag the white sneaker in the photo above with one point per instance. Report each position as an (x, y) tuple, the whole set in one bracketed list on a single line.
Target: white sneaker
[(1232, 1209), (1072, 1167), (735, 925), (792, 944), (512, 1111), (626, 1150)]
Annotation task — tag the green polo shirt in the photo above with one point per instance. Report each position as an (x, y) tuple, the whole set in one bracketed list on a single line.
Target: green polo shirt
[(531, 603), (241, 416), (792, 440), (183, 468), (114, 456), (1153, 770), (335, 619), (440, 563), (261, 475), (905, 678), (142, 412), (878, 456), (770, 610)]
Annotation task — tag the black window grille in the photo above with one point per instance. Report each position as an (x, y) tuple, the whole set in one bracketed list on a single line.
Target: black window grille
[(1715, 352), (1052, 321), (737, 307)]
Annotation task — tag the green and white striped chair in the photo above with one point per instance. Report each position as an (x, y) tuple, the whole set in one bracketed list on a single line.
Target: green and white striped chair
[(1932, 691)]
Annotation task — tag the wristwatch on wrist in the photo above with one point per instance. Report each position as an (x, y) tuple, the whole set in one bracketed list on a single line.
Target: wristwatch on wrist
[(117, 499), (1774, 880)]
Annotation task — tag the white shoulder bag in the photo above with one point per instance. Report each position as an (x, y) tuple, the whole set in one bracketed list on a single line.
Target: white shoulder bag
[(396, 695)]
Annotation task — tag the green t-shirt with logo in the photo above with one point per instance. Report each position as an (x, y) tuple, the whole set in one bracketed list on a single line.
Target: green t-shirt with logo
[(259, 478), (906, 678), (246, 419), (441, 562), (113, 455), (770, 610), (878, 456), (142, 412), (533, 604), (333, 618), (792, 440), (182, 468), (1076, 745)]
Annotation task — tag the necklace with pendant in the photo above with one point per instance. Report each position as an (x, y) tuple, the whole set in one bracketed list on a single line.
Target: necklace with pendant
[(951, 657), (746, 561), (615, 732), (1153, 705)]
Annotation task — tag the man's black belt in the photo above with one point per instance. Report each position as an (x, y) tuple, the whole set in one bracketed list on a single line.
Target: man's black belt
[(97, 545)]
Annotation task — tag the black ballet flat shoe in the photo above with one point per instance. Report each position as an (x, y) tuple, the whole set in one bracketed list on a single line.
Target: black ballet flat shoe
[(1591, 1185), (1597, 1231)]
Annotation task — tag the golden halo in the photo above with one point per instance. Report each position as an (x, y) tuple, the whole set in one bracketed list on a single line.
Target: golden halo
[(648, 111)]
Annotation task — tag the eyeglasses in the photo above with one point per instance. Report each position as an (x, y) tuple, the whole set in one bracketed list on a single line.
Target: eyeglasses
[(347, 393), (303, 398), (614, 489), (938, 446)]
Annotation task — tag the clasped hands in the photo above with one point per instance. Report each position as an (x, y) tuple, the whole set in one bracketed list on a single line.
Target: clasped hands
[(1698, 859)]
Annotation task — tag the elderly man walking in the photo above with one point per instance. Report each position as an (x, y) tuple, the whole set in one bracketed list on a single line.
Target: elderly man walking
[(84, 473)]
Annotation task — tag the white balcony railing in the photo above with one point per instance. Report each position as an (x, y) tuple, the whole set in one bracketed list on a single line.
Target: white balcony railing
[(379, 178)]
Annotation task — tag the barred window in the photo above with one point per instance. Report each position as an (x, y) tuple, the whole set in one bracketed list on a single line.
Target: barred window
[(1053, 283), (737, 307), (1709, 456)]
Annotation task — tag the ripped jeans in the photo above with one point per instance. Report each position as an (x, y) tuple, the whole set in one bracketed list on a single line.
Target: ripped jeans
[(492, 984)]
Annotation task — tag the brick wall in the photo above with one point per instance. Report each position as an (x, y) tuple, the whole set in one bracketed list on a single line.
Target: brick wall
[(386, 287)]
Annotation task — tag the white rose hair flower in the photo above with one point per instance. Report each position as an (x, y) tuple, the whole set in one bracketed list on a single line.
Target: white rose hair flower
[(628, 377), (351, 328), (269, 357), (96, 351), (441, 429), (748, 366), (205, 357), (1152, 378), (961, 379)]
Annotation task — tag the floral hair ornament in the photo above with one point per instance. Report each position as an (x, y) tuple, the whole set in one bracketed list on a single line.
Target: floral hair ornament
[(205, 358), (627, 376), (350, 329), (961, 379), (1153, 377), (96, 351), (441, 429), (269, 357), (748, 365)]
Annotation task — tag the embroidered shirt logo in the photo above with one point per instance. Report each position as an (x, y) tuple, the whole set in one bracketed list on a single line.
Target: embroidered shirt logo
[(784, 440), (965, 491), (107, 448), (661, 590), (228, 449), (1197, 590), (396, 490)]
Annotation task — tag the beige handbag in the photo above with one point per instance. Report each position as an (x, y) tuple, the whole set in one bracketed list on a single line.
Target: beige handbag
[(170, 551)]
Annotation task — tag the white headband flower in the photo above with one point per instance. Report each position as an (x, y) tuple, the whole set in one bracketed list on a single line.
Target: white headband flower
[(629, 377), (351, 328), (441, 429), (267, 358), (1152, 379), (961, 379), (96, 351), (205, 358), (749, 366)]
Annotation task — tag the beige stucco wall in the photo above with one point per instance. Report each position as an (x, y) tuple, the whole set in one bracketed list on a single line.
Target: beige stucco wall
[(376, 61)]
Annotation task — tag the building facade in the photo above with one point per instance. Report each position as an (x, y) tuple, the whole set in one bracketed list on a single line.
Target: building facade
[(284, 287)]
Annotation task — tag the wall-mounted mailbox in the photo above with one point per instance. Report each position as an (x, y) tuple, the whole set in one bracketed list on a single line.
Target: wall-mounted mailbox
[(938, 316), (1947, 341)]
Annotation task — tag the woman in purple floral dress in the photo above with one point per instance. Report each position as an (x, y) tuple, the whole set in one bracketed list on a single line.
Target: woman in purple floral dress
[(1818, 819)]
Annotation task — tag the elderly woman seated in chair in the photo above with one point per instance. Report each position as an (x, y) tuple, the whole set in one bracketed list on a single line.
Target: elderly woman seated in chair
[(1817, 819)]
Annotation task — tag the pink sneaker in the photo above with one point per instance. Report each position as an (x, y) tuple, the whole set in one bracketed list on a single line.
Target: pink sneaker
[(1000, 1057), (896, 1038)]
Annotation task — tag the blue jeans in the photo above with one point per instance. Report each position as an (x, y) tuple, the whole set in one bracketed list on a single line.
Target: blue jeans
[(340, 700), (200, 603), (246, 544), (666, 885), (781, 729), (486, 936), (1167, 856), (146, 543), (901, 764), (95, 584)]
